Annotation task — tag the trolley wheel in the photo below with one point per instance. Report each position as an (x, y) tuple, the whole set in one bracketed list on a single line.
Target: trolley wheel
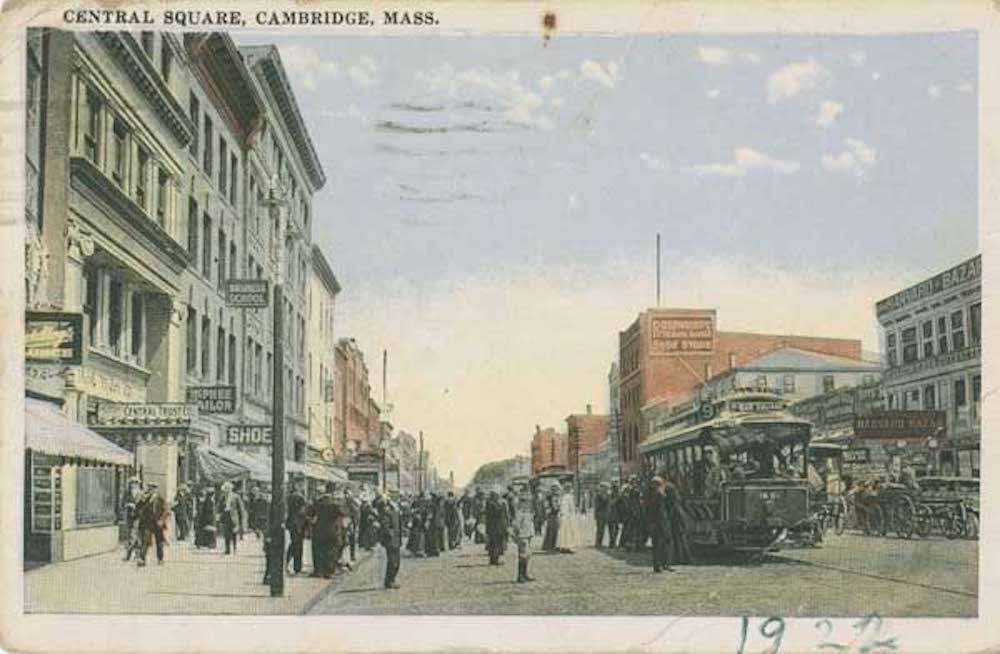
[(925, 520)]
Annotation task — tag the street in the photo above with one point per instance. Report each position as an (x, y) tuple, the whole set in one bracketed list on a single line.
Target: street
[(851, 575)]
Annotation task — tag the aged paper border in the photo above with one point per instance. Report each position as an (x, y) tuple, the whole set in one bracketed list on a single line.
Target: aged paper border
[(77, 633)]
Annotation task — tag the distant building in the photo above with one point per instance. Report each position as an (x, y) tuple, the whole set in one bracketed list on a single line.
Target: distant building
[(548, 450), (322, 356), (584, 432), (667, 353), (932, 340), (354, 419)]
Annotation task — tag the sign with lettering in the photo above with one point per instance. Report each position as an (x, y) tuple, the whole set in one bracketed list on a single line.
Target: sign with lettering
[(213, 399), (900, 424), (259, 435), (972, 353), (756, 407), (149, 414), (857, 455), (963, 272), (672, 335), (247, 293), (51, 337)]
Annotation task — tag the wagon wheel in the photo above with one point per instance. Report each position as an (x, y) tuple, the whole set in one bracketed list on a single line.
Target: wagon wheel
[(904, 515), (840, 516), (925, 520)]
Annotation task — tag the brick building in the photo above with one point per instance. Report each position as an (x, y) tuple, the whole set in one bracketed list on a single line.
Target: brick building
[(585, 432), (667, 353), (548, 450)]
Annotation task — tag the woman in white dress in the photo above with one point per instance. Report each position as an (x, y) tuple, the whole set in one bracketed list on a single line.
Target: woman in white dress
[(570, 534)]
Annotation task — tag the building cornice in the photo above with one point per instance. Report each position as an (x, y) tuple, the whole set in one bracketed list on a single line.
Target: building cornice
[(129, 53), (322, 268), (218, 63)]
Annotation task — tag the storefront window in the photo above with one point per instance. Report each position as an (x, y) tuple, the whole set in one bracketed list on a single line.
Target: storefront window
[(95, 496)]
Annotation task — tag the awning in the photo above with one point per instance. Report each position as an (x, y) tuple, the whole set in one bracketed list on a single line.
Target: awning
[(224, 465), (316, 471), (48, 431)]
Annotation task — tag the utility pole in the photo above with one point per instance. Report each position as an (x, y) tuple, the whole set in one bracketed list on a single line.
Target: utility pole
[(385, 362), (420, 464), (274, 202), (657, 270)]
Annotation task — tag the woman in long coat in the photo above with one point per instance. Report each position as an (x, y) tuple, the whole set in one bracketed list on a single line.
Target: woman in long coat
[(680, 549), (552, 507), (206, 522), (496, 527)]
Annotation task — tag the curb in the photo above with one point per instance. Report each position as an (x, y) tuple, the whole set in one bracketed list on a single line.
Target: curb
[(333, 586)]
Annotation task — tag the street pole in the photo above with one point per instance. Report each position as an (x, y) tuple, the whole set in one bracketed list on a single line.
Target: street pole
[(420, 464), (276, 518)]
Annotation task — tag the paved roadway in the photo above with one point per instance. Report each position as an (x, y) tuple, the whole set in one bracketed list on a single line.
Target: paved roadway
[(852, 575)]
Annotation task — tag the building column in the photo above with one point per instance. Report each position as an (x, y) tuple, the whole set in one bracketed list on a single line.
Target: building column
[(164, 347), (79, 246), (157, 458)]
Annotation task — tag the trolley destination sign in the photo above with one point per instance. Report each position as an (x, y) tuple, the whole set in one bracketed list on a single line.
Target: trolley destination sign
[(259, 435), (213, 399), (247, 293)]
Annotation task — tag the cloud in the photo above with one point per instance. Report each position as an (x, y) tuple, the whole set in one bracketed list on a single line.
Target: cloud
[(828, 112), (934, 91), (857, 158), (651, 161), (964, 87), (713, 56), (858, 57), (876, 76), (746, 160), (351, 111), (364, 71), (605, 74), (306, 65), (713, 93), (750, 57), (788, 81)]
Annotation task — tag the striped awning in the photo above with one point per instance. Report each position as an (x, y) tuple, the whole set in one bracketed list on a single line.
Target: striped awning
[(48, 431)]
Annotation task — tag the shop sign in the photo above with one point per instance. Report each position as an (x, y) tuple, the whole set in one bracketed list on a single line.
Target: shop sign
[(695, 334), (256, 435), (973, 352), (900, 424), (149, 414), (755, 407), (51, 337), (247, 293), (212, 399), (963, 272)]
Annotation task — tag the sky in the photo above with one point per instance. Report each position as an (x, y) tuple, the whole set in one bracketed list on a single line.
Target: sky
[(492, 201)]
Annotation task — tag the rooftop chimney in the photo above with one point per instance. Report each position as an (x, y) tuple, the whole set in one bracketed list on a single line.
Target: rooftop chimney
[(732, 360), (708, 371), (590, 409)]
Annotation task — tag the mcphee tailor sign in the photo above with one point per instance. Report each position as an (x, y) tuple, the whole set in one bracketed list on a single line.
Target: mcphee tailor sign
[(213, 399), (251, 293), (900, 424), (248, 435)]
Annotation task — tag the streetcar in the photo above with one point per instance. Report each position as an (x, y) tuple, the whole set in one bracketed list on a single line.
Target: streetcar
[(740, 462)]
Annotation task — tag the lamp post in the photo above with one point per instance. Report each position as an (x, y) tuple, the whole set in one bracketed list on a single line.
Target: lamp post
[(276, 555)]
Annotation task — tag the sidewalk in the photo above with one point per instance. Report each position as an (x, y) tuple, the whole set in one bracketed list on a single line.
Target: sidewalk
[(191, 581)]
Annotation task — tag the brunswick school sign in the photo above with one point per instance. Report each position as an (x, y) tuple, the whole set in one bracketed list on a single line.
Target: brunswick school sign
[(249, 293), (900, 424)]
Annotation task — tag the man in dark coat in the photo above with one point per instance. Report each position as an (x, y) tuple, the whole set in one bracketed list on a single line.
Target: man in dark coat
[(602, 510), (553, 503), (295, 520), (206, 521), (390, 535), (434, 519), (453, 521), (183, 512), (259, 510), (496, 527), (232, 515), (324, 516), (153, 514), (614, 515), (656, 517), (352, 509), (418, 521), (479, 511), (680, 549), (538, 510)]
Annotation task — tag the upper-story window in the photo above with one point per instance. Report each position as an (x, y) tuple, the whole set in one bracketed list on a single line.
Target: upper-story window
[(942, 333), (927, 338), (222, 257), (207, 158), (166, 62), (92, 126), (957, 330), (191, 341), (223, 170), (194, 113), (909, 338), (147, 43), (788, 383), (142, 180), (828, 383), (193, 228), (975, 322), (119, 161), (234, 171), (162, 191), (206, 246)]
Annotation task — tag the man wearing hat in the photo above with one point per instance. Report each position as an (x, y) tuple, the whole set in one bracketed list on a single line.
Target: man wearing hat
[(656, 519), (232, 515), (602, 510), (496, 526), (522, 530), (390, 535), (132, 496), (183, 512), (153, 514), (295, 521)]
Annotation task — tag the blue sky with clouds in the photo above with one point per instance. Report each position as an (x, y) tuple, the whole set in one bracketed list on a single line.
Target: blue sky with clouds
[(496, 198)]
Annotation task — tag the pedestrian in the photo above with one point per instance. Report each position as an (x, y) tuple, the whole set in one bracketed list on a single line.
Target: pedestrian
[(131, 517), (182, 512), (153, 514), (680, 548), (259, 509), (206, 521), (496, 527), (324, 517), (538, 509), (430, 526), (479, 508), (522, 529), (553, 503), (365, 540), (418, 519), (569, 535), (232, 514), (390, 536), (352, 509), (453, 521), (295, 522), (656, 510), (602, 511), (614, 515), (440, 524)]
